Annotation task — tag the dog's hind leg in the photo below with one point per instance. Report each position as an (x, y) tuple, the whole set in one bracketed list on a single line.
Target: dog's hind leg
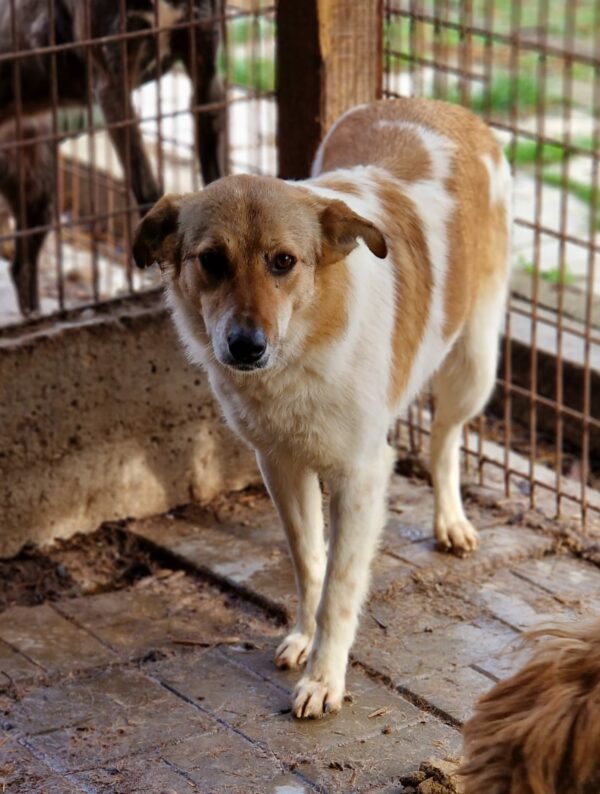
[(200, 60), (461, 388), (297, 496), (126, 136)]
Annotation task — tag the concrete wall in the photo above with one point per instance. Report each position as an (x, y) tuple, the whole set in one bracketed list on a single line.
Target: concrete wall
[(101, 417)]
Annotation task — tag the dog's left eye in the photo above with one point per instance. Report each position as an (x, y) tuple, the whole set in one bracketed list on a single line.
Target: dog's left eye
[(213, 261), (282, 263)]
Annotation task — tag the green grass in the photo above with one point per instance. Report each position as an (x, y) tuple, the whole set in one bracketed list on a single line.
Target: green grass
[(526, 152), (505, 92), (253, 75), (581, 190), (552, 276), (245, 30)]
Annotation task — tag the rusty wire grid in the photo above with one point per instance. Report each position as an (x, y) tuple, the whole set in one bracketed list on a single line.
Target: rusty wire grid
[(82, 92), (532, 71)]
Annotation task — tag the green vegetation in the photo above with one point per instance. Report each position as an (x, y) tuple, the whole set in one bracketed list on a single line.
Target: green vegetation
[(552, 276), (252, 74), (526, 152), (504, 93), (246, 67), (581, 190), (245, 30)]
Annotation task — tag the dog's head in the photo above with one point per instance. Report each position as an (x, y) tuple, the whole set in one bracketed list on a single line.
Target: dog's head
[(247, 260)]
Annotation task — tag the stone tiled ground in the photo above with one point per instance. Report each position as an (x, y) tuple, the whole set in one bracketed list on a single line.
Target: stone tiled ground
[(168, 685)]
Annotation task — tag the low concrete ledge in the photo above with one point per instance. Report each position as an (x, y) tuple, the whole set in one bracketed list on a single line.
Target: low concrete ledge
[(101, 417)]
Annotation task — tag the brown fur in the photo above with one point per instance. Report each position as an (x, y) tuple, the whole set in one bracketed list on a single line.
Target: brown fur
[(249, 219), (476, 231), (350, 146), (538, 732), (412, 274)]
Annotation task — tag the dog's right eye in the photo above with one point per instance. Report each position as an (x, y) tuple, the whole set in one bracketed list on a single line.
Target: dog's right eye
[(213, 262)]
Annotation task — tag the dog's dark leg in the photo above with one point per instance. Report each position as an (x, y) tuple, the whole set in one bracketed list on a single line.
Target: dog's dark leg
[(200, 59), (31, 206), (24, 268), (117, 107)]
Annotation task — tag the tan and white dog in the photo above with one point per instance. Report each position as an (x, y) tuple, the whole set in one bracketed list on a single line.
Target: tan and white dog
[(320, 309)]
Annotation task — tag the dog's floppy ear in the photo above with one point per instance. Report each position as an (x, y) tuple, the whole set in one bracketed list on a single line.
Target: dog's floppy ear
[(341, 226), (156, 238)]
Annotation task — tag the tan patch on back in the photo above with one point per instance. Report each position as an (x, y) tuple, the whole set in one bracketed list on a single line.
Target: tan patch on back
[(339, 183), (329, 308), (477, 242), (361, 139), (385, 134), (412, 278)]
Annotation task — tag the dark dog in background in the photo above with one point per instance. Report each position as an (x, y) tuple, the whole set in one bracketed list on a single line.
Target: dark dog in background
[(30, 85), (538, 732)]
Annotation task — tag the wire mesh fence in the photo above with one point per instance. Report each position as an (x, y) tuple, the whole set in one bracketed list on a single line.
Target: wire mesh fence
[(103, 107), (532, 70)]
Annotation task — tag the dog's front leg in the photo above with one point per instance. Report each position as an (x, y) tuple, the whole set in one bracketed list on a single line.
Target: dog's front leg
[(297, 496), (358, 509)]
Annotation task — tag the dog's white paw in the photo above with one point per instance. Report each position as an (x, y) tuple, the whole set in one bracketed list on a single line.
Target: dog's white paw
[(314, 699), (293, 651), (459, 536)]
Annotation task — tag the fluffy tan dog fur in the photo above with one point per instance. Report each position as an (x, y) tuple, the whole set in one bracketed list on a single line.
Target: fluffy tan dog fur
[(538, 732)]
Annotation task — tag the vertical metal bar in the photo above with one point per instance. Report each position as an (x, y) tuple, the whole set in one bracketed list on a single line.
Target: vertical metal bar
[(194, 75), (488, 59), (570, 12), (222, 6), (158, 79), (541, 74), (93, 193), (17, 90), (129, 207), (58, 198), (465, 51), (594, 210), (514, 59)]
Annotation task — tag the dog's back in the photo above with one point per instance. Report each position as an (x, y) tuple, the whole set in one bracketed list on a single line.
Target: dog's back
[(439, 188)]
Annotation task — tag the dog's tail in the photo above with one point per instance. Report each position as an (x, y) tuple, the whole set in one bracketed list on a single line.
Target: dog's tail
[(538, 732)]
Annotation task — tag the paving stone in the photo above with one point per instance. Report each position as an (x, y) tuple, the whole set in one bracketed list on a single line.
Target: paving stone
[(292, 740), (51, 641), (217, 536), (136, 620), (458, 644), (500, 546), (232, 693), (226, 761), (517, 601), (400, 610), (410, 514), (135, 776), (503, 664), (573, 581), (22, 773), (14, 666), (380, 759), (452, 691), (81, 723)]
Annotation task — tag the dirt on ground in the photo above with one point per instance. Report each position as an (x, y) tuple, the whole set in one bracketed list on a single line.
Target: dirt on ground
[(109, 559)]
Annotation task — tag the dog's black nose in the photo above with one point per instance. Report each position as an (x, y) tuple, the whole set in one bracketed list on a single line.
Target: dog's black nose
[(246, 345)]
